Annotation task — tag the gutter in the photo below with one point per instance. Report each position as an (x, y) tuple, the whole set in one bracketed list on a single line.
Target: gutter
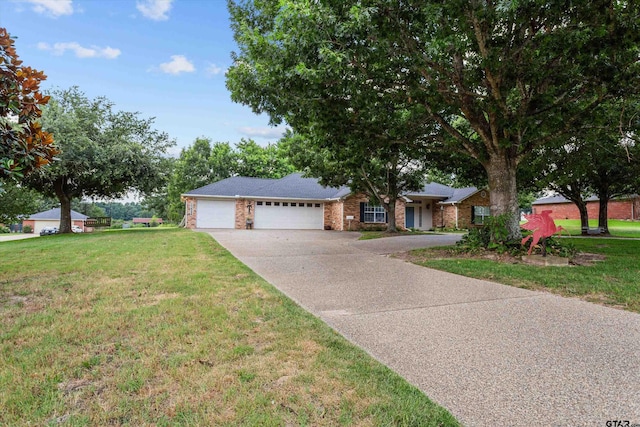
[(238, 196)]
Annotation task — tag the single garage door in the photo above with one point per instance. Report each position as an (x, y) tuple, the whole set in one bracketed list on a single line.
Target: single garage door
[(216, 214), (285, 215)]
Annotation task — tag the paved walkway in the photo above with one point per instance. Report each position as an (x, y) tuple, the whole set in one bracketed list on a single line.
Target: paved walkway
[(491, 354)]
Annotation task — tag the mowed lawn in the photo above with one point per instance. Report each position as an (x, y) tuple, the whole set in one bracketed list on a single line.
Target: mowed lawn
[(613, 281), (617, 228), (165, 327)]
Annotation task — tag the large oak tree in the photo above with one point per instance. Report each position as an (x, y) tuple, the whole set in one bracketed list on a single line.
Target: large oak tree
[(104, 153), (520, 73)]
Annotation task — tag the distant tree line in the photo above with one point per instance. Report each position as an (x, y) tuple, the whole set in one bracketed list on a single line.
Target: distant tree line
[(205, 162)]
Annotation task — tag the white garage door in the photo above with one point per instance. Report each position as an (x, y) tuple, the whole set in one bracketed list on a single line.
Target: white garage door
[(42, 223), (216, 214), (287, 215)]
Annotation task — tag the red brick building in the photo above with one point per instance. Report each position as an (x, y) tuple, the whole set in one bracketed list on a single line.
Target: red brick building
[(627, 208)]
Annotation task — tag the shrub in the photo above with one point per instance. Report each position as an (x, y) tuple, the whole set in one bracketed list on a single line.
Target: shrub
[(492, 236), (4, 229), (555, 246), (116, 224), (476, 240), (27, 229)]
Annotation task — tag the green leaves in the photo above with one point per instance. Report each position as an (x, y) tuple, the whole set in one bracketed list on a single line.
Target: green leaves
[(202, 163), (104, 153)]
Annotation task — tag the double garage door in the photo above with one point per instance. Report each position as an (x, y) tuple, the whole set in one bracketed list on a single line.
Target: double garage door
[(268, 215)]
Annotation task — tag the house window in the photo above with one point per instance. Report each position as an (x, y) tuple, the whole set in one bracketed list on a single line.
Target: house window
[(268, 203), (285, 203), (374, 213), (317, 205), (293, 204), (259, 203), (276, 203), (301, 205), (309, 205), (479, 214)]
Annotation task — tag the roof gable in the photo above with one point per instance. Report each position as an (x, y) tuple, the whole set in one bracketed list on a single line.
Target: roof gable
[(444, 192), (54, 213)]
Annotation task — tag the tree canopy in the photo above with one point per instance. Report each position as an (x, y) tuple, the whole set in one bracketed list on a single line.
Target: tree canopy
[(24, 145), (600, 158), (203, 163), (104, 153), (17, 202), (518, 73)]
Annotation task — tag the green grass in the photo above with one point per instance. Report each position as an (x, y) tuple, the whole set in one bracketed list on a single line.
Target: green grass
[(165, 327), (614, 281), (617, 228)]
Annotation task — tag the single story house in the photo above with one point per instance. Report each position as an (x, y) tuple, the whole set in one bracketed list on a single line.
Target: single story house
[(51, 218), (147, 221), (621, 208), (294, 202)]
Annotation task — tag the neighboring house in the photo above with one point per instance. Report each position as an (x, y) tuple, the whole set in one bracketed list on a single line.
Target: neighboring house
[(620, 208), (147, 221), (51, 218), (294, 202)]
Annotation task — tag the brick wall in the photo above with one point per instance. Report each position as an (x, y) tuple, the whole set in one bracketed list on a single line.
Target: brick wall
[(617, 209), (332, 212), (481, 198), (190, 211), (444, 215), (31, 223), (242, 212), (352, 207)]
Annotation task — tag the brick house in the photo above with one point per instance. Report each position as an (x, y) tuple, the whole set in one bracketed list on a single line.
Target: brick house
[(627, 208), (51, 218), (294, 202)]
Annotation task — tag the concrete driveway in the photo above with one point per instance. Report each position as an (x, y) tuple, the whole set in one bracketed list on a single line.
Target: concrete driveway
[(491, 354), (16, 236)]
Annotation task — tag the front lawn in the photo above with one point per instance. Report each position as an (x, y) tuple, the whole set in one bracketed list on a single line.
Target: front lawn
[(614, 281), (617, 228), (165, 327)]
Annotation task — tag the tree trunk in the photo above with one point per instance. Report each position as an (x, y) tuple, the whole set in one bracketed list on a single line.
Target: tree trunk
[(584, 217), (391, 215), (65, 206), (501, 172), (603, 220)]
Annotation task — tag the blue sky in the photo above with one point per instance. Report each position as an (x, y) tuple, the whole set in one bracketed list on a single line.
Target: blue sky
[(163, 58)]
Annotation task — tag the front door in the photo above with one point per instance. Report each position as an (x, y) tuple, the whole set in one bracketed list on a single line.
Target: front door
[(408, 217)]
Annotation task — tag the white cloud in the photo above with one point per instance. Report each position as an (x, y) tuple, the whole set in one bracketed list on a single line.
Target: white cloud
[(263, 132), (54, 8), (179, 64), (80, 51), (155, 9), (214, 70)]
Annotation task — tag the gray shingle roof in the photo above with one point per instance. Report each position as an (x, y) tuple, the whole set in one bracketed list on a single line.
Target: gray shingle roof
[(55, 214), (559, 199), (449, 194), (234, 186), (292, 186)]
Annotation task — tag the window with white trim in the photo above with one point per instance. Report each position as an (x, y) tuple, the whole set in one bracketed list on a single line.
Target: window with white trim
[(374, 213), (480, 214)]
